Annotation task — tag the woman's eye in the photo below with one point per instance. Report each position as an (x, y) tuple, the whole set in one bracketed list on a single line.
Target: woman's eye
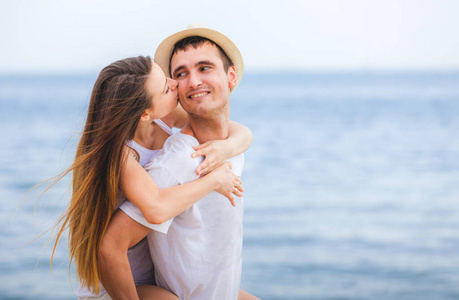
[(167, 90)]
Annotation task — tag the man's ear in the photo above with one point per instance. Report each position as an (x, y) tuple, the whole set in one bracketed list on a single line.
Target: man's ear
[(232, 76), (145, 116)]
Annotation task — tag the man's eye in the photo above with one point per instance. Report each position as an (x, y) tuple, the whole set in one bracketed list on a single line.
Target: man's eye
[(205, 68), (178, 75)]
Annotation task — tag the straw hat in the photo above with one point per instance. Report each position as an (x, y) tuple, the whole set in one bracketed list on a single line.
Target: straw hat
[(164, 50)]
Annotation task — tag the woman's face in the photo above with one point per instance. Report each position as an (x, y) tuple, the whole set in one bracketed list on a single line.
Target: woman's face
[(163, 91)]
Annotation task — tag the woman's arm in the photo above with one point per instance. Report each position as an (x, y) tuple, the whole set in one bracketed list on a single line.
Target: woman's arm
[(218, 151), (159, 205)]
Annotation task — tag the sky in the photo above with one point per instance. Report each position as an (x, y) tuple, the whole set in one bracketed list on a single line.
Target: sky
[(86, 35)]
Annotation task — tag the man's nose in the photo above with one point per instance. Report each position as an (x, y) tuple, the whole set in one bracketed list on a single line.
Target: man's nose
[(194, 80)]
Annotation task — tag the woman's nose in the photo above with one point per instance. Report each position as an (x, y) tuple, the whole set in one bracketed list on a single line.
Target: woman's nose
[(173, 83)]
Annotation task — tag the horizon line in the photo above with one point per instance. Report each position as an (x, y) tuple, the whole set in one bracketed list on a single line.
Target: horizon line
[(256, 71)]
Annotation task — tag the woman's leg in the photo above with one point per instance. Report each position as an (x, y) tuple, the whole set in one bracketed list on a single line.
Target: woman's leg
[(153, 292), (243, 295)]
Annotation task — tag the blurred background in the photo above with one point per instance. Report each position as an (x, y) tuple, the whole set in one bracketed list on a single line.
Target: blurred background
[(352, 180)]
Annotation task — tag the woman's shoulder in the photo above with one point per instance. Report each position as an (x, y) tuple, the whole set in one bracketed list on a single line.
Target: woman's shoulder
[(164, 126)]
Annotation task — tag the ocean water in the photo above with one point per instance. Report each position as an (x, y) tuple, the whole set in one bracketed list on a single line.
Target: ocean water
[(352, 183)]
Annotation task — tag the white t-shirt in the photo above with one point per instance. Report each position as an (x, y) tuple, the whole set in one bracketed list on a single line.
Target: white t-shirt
[(139, 255), (200, 257)]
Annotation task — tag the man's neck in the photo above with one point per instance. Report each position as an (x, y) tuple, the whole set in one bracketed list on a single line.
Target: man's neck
[(205, 130)]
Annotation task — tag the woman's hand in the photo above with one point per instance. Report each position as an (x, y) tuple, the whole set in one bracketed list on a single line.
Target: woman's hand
[(227, 182), (215, 152)]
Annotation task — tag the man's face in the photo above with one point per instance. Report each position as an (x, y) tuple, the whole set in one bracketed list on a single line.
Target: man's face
[(203, 84)]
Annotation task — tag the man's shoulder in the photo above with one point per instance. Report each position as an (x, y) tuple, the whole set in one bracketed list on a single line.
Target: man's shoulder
[(237, 164), (176, 157), (178, 147), (180, 142)]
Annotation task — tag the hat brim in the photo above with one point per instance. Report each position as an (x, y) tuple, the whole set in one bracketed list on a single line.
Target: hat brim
[(164, 51)]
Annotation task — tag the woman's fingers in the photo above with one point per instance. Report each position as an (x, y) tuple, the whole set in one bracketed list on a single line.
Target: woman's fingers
[(237, 192), (230, 184), (206, 166), (203, 168), (237, 178), (231, 199), (201, 145), (214, 155), (202, 149), (198, 153), (239, 188)]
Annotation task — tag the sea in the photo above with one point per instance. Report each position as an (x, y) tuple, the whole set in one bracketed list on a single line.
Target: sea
[(351, 183)]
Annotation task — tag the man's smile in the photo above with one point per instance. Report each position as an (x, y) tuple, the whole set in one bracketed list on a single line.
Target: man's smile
[(198, 95)]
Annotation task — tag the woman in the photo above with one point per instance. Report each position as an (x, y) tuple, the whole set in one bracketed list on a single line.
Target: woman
[(123, 127)]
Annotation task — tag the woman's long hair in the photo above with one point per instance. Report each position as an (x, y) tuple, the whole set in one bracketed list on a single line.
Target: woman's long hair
[(117, 102)]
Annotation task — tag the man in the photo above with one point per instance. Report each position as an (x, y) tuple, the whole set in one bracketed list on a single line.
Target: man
[(198, 254)]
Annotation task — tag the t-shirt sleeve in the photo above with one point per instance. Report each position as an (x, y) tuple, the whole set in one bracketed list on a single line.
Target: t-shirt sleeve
[(163, 179), (132, 211)]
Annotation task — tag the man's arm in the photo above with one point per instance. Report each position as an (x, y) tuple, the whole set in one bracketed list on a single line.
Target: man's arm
[(116, 277)]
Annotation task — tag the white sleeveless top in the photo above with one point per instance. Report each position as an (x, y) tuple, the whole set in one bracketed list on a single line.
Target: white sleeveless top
[(139, 255)]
